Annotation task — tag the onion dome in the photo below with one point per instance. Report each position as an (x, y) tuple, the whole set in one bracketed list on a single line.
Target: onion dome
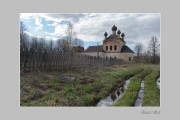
[(118, 32), (114, 28), (122, 35), (105, 34)]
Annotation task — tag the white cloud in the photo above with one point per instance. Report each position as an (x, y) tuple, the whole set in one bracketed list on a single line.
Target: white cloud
[(91, 27), (51, 38), (29, 33), (137, 27), (38, 23), (53, 24), (50, 34), (60, 29)]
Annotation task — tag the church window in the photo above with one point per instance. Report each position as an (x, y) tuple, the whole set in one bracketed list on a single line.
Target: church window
[(110, 47), (106, 47), (115, 47)]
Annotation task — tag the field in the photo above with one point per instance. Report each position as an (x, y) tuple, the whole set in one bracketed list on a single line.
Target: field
[(89, 86)]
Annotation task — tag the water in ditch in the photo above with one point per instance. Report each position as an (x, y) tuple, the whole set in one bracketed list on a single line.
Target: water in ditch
[(114, 97), (158, 83), (140, 95)]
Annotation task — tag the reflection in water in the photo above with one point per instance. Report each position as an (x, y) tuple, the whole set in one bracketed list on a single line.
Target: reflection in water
[(140, 96), (116, 96), (112, 98)]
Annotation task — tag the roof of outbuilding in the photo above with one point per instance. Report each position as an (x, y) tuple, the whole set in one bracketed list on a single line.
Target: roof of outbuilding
[(94, 49), (126, 49), (78, 49)]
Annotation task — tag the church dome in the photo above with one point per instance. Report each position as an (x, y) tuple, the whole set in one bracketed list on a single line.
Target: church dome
[(105, 34), (118, 32), (122, 35), (114, 28)]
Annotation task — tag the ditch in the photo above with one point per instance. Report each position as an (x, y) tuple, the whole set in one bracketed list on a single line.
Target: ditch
[(115, 96)]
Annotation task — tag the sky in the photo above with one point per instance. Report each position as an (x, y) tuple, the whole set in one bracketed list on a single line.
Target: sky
[(90, 27)]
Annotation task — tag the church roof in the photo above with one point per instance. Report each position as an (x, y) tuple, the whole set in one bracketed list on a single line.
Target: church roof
[(126, 49), (94, 49), (113, 37)]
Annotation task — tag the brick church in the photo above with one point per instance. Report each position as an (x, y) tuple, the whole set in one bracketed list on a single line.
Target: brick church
[(113, 46)]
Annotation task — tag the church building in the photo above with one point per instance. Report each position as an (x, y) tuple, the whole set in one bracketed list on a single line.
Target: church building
[(113, 46)]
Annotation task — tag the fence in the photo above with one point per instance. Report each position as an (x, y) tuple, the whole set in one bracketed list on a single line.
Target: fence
[(56, 61)]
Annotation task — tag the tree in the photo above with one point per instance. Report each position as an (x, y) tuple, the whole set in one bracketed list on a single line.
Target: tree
[(70, 33), (23, 28), (66, 44), (23, 36), (154, 48), (78, 42), (24, 44), (63, 46), (138, 49)]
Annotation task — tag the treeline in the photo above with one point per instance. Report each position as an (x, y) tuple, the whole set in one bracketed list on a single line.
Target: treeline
[(40, 54), (36, 51), (151, 54)]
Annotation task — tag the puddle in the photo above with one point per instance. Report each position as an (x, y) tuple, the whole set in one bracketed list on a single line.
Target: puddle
[(140, 96), (158, 83), (113, 98)]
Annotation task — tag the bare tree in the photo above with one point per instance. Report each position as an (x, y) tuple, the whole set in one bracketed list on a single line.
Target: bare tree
[(23, 28), (78, 42), (24, 44), (154, 47), (63, 46), (138, 49), (70, 33), (66, 44)]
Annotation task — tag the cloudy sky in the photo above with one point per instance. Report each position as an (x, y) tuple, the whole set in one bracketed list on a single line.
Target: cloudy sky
[(90, 27)]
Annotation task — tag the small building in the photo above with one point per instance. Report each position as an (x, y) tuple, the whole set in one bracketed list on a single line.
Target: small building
[(113, 46), (78, 49)]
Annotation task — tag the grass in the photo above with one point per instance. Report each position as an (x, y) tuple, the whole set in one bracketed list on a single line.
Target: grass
[(151, 92), (133, 88), (91, 85)]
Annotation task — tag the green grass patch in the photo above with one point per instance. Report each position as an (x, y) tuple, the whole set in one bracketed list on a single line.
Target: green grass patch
[(45, 89), (133, 88), (151, 92)]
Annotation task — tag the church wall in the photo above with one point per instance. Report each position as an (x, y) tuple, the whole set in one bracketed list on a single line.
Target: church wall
[(101, 54), (124, 56), (118, 44)]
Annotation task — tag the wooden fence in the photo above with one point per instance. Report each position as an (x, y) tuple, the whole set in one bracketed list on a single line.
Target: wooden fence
[(53, 62)]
